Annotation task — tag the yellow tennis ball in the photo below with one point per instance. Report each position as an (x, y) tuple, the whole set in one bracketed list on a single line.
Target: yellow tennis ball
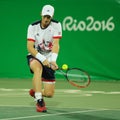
[(64, 66)]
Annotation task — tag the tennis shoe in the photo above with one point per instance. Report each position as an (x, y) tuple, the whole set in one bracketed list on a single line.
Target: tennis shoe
[(32, 93), (40, 106)]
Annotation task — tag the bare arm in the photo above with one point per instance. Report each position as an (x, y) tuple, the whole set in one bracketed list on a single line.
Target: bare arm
[(55, 51), (55, 48), (31, 49)]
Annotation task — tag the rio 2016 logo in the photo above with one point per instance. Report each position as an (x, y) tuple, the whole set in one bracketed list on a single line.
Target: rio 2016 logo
[(70, 24)]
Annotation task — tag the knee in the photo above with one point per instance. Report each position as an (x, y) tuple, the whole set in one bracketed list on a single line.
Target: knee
[(49, 94), (35, 66)]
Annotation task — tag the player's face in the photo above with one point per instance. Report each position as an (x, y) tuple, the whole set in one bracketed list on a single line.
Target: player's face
[(46, 20)]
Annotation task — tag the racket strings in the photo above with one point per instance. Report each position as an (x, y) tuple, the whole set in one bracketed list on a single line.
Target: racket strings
[(78, 77)]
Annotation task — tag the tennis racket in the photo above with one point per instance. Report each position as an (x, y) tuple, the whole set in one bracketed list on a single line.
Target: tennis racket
[(76, 77)]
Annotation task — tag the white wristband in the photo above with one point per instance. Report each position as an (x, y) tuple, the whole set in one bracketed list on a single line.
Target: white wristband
[(40, 57), (54, 57)]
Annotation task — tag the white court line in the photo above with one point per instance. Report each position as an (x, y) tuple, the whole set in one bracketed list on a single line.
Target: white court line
[(29, 106), (46, 115), (80, 93), (58, 91)]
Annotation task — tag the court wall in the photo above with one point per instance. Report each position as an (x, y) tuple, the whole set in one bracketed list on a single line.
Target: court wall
[(90, 39)]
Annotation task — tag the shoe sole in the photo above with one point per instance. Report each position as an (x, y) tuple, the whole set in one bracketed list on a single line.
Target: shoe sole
[(41, 109), (31, 93)]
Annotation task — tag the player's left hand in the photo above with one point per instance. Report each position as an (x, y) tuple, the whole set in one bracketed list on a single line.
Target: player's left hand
[(53, 65)]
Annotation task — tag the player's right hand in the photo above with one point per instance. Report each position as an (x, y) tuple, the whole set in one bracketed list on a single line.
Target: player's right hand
[(46, 63), (53, 65)]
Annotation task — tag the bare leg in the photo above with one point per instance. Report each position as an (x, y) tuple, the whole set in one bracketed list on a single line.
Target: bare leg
[(37, 69), (48, 90)]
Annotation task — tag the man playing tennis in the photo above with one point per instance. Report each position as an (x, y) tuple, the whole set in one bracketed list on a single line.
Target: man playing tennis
[(43, 46)]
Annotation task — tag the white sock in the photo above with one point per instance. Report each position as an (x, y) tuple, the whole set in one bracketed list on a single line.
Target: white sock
[(38, 95)]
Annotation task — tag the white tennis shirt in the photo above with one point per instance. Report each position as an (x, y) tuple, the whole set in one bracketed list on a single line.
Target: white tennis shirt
[(43, 38)]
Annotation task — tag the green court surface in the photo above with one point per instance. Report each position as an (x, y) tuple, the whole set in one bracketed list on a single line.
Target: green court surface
[(99, 101)]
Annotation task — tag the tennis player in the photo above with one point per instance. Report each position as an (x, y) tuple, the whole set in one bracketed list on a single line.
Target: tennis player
[(43, 46)]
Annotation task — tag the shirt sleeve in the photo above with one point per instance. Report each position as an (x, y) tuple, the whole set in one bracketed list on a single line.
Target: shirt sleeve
[(58, 31), (30, 33)]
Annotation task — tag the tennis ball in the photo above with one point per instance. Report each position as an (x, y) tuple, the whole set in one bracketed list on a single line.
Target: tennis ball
[(64, 66)]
